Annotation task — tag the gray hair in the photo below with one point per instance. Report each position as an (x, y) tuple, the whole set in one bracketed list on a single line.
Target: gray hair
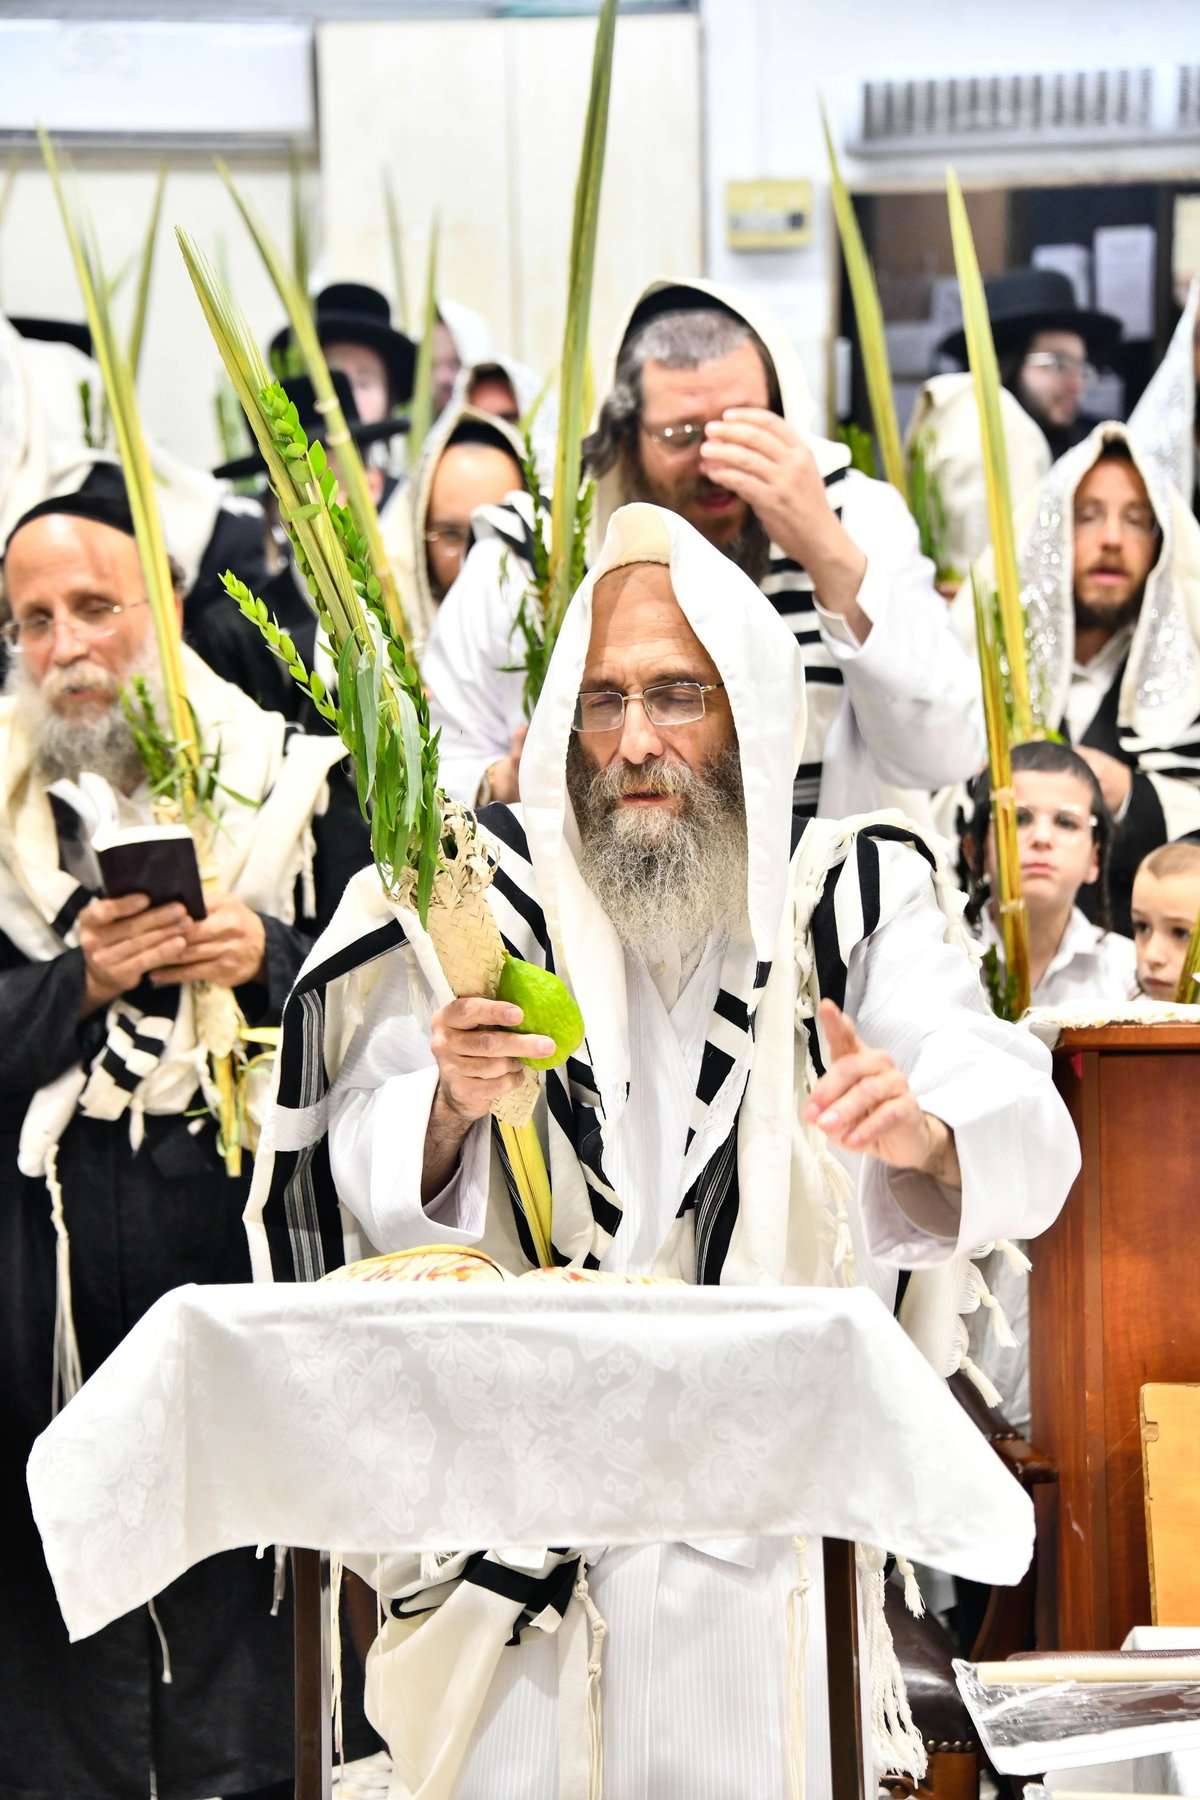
[(683, 339)]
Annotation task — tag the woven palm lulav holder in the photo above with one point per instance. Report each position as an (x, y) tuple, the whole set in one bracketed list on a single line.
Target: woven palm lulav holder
[(467, 939)]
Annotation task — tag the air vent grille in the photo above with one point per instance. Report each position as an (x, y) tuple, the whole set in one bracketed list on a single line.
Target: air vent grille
[(1069, 104), (1187, 112)]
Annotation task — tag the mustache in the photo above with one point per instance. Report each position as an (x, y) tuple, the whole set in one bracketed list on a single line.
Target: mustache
[(656, 777), (79, 676)]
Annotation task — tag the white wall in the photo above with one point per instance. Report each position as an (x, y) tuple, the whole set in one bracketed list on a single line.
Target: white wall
[(482, 121), (180, 364), (766, 62)]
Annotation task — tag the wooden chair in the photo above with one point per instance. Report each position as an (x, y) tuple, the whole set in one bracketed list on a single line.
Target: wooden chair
[(1170, 1420)]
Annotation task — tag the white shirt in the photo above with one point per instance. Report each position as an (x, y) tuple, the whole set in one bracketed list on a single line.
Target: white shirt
[(696, 1652), (1089, 964), (909, 714), (1090, 681)]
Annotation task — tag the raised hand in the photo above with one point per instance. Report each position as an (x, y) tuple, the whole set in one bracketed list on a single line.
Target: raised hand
[(863, 1102)]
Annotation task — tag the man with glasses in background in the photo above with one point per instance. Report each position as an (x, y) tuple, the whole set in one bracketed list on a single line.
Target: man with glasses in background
[(1048, 350), (708, 413)]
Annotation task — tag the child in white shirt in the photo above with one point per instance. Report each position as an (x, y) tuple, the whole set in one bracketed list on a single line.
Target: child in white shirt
[(1064, 833)]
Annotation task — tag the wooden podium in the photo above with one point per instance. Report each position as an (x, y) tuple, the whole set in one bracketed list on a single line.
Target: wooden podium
[(1113, 1304)]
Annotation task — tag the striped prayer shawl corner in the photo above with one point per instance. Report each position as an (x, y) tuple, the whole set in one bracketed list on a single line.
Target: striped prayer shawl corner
[(302, 1213)]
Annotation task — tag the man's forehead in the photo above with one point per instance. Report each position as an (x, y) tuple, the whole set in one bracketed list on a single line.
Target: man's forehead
[(58, 545), (1115, 472), (636, 615)]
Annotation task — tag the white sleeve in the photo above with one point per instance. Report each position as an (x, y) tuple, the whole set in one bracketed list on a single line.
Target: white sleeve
[(474, 696), (378, 1116), (914, 688), (919, 998)]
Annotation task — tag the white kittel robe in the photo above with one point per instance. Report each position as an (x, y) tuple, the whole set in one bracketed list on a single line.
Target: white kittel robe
[(888, 719), (695, 1665)]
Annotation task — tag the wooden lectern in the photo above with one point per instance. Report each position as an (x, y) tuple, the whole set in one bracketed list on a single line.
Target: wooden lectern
[(1113, 1305)]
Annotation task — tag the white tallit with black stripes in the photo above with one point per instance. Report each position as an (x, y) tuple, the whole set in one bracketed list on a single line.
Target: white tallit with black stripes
[(151, 1062), (763, 1200)]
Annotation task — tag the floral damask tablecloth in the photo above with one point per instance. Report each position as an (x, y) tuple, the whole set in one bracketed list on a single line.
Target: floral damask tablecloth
[(373, 1419)]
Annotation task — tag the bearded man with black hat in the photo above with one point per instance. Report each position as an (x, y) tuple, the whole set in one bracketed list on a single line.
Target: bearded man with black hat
[(1048, 348), (708, 413), (354, 325), (115, 1187)]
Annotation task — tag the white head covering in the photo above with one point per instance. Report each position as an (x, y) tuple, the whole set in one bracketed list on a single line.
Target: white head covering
[(1164, 420), (799, 408), (1160, 693), (404, 518), (43, 449), (760, 664)]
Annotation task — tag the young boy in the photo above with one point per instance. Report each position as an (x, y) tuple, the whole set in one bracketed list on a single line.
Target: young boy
[(1166, 899), (1064, 837)]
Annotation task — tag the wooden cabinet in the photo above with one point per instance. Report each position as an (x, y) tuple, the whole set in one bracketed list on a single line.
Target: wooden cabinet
[(1115, 1302)]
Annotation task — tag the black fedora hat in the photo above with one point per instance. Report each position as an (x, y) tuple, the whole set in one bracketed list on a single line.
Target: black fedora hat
[(300, 392), (1024, 301), (349, 312), (55, 331)]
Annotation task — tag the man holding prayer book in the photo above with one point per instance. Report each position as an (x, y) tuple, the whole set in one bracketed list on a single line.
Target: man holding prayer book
[(116, 1182)]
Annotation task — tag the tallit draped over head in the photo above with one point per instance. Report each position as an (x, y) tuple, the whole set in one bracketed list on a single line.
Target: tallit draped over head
[(1160, 691), (1164, 420), (798, 405), (405, 519), (759, 662)]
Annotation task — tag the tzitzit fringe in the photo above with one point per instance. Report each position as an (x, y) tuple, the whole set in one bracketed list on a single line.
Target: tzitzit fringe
[(162, 1643), (67, 1378), (335, 1661), (898, 1745), (798, 1618)]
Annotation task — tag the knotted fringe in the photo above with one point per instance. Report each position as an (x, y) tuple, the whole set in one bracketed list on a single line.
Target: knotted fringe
[(798, 1615), (280, 1588), (162, 1642), (67, 1378), (897, 1744), (913, 1597), (1016, 1258), (580, 1702), (335, 1659), (974, 1374)]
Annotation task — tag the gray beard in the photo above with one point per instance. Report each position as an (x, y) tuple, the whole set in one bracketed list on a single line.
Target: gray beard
[(663, 877), (64, 747)]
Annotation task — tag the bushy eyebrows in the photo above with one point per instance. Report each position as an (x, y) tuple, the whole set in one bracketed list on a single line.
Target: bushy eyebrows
[(601, 684)]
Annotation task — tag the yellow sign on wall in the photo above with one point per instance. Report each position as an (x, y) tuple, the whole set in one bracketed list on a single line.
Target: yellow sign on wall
[(768, 215)]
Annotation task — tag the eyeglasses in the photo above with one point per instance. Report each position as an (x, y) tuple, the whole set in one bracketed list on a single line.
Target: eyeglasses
[(1063, 821), (454, 537), (94, 621), (1061, 364), (1138, 519), (676, 440), (670, 703)]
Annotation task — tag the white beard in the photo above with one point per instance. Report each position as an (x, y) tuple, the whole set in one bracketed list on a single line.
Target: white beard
[(663, 876), (63, 746)]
